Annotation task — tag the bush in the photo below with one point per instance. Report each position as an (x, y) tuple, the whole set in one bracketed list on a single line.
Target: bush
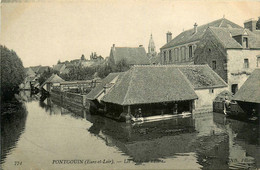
[(12, 73)]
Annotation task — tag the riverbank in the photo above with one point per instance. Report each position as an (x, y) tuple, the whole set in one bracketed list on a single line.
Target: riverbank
[(10, 106)]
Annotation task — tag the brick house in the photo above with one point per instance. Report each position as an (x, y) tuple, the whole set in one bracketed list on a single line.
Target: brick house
[(180, 50), (233, 53)]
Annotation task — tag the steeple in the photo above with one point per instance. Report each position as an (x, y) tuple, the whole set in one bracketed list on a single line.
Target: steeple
[(151, 46)]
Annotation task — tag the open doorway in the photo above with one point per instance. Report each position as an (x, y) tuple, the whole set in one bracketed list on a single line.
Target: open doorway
[(234, 88)]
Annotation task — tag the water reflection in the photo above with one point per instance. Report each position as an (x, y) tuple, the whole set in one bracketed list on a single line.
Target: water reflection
[(12, 126), (206, 141)]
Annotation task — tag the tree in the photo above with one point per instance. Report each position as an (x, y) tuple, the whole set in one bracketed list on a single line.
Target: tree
[(59, 62), (83, 57), (122, 66), (258, 24), (12, 73)]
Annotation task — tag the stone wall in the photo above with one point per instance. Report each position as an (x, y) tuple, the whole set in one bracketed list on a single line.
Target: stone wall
[(237, 73), (208, 50), (178, 54), (206, 98)]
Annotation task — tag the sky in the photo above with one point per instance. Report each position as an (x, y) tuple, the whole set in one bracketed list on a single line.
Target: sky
[(43, 32)]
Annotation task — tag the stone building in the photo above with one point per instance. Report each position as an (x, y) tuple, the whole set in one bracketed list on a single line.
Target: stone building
[(180, 50), (233, 53), (131, 55)]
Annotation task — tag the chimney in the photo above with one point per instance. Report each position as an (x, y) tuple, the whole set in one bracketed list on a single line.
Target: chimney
[(140, 45), (168, 36), (195, 28), (250, 24), (114, 47)]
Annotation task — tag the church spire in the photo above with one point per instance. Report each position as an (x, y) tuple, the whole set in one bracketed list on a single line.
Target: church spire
[(151, 46)]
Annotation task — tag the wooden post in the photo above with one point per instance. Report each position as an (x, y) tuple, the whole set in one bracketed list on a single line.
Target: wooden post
[(128, 117), (105, 108)]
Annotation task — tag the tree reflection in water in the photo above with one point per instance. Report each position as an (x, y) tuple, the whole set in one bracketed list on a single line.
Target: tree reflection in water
[(12, 126), (208, 140)]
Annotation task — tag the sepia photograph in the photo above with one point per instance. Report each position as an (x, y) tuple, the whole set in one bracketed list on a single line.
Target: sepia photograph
[(130, 84)]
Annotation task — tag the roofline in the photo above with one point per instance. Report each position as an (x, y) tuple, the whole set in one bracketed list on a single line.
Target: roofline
[(169, 101), (217, 75), (246, 101), (194, 41), (210, 87), (201, 26)]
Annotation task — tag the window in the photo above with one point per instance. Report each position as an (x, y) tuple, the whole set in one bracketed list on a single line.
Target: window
[(214, 65), (170, 56), (234, 88), (190, 51), (178, 57), (225, 64), (211, 90), (245, 42), (258, 62), (246, 63), (164, 57)]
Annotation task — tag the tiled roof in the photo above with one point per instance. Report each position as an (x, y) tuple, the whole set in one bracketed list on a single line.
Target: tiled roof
[(100, 87), (29, 72), (225, 36), (58, 67), (250, 90), (133, 55), (190, 36), (201, 76), (150, 84), (42, 69), (54, 79), (36, 68)]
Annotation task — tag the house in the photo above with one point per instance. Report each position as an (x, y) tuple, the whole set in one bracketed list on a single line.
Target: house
[(180, 50), (52, 82), (94, 57), (36, 68), (29, 72), (61, 68), (132, 55), (248, 96), (159, 90), (233, 53), (42, 69)]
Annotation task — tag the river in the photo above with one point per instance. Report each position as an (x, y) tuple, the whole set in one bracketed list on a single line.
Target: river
[(48, 135)]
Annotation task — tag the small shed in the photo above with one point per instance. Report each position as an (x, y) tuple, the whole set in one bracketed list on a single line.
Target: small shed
[(52, 82)]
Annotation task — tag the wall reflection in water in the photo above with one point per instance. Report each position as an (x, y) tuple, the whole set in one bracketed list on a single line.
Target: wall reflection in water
[(206, 140), (215, 140)]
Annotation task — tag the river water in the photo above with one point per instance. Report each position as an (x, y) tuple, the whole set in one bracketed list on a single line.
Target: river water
[(48, 135)]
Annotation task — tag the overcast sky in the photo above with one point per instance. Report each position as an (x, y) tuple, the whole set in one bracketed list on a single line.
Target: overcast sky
[(44, 32)]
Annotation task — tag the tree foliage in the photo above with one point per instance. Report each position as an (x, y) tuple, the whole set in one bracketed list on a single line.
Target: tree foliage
[(87, 73), (12, 73)]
